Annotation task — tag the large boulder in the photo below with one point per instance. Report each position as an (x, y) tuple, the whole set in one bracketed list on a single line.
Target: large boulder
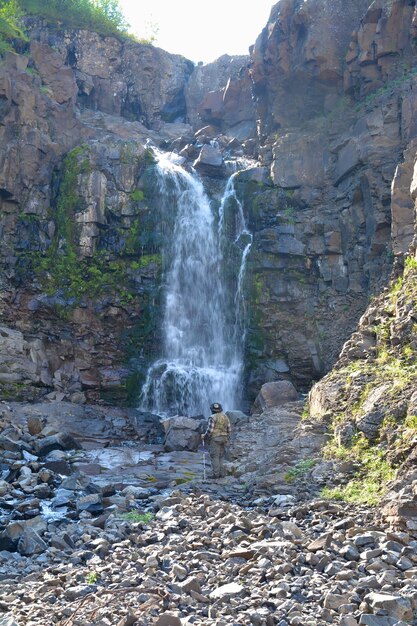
[(60, 441), (275, 394), (148, 426), (182, 433), (210, 161)]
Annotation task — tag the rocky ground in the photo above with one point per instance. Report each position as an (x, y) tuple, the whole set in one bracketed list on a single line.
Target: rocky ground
[(99, 527)]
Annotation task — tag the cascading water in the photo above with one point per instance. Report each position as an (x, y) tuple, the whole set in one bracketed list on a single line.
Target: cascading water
[(203, 341), (243, 240)]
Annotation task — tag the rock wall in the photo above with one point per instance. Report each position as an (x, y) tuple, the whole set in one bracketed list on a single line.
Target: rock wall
[(297, 61), (330, 118), (220, 93), (337, 208), (80, 255)]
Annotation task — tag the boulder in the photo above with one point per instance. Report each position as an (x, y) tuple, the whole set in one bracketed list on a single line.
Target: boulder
[(209, 161), (227, 591), (168, 619), (31, 543), (182, 433), (147, 426), (60, 441), (393, 605), (275, 394)]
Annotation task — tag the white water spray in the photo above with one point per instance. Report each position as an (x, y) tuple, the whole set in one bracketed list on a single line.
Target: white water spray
[(202, 351)]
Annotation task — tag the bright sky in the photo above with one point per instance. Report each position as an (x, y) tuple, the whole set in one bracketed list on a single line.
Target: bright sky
[(199, 30)]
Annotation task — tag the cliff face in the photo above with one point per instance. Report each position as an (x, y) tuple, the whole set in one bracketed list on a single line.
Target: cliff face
[(325, 103), (334, 122), (79, 280), (369, 397)]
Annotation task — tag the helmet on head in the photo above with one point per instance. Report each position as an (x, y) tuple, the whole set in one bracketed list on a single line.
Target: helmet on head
[(216, 407)]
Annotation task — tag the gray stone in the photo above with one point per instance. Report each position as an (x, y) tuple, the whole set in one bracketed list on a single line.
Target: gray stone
[(179, 572), (350, 553), (168, 619), (227, 591), (190, 584), (8, 620), (30, 543), (274, 394), (78, 591), (335, 600), (182, 433), (91, 503), (368, 619), (209, 161), (60, 441), (396, 606)]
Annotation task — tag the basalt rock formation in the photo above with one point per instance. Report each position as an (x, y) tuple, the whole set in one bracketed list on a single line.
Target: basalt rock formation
[(339, 208), (324, 105)]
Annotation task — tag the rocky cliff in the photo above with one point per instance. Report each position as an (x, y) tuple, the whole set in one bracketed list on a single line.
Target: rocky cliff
[(70, 161), (334, 121), (325, 104)]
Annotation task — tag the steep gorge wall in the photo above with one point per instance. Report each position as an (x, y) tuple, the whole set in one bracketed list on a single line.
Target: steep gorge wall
[(80, 253), (329, 116), (334, 122)]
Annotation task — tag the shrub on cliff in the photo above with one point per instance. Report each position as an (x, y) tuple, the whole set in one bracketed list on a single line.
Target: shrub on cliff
[(102, 16), (10, 27)]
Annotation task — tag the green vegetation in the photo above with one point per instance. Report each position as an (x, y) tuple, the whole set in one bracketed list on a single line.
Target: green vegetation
[(392, 369), (10, 24), (61, 270), (289, 214), (370, 481), (300, 469), (405, 74), (137, 195), (102, 16), (136, 517), (92, 578)]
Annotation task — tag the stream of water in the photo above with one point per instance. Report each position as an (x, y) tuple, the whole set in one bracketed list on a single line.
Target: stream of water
[(203, 325)]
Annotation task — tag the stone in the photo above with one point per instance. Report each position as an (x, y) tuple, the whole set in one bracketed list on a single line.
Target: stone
[(190, 584), (335, 600), (179, 572), (227, 591), (91, 503), (60, 441), (377, 620), (350, 553), (217, 92), (395, 606), (298, 164), (8, 620), (320, 543), (30, 543), (348, 620), (129, 620), (168, 619), (209, 161), (182, 433), (274, 394)]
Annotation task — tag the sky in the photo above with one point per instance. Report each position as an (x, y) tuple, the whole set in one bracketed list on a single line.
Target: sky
[(200, 31)]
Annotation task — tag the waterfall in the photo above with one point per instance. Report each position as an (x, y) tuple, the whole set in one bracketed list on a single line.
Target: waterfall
[(243, 240), (202, 348)]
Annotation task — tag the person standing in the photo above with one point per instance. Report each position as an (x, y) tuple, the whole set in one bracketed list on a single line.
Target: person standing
[(218, 432)]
